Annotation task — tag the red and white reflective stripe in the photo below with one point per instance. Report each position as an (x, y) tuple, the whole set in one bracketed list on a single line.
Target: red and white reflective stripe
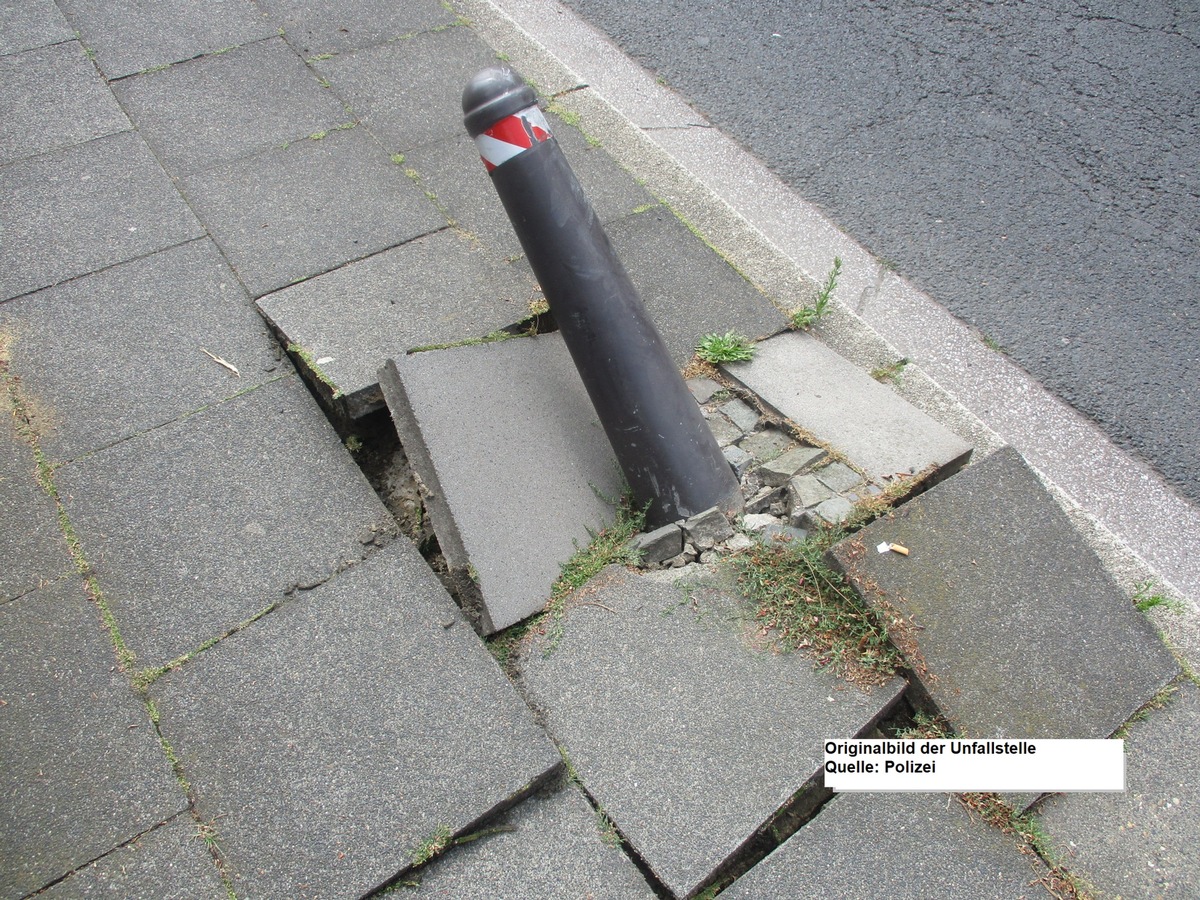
[(511, 136)]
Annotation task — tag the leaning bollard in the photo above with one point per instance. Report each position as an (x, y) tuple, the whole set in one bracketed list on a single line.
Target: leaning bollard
[(656, 429)]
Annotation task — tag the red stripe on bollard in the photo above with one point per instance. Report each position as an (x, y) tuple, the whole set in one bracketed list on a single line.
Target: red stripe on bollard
[(511, 136)]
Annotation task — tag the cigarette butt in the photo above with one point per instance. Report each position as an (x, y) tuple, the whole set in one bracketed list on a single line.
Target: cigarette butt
[(897, 548)]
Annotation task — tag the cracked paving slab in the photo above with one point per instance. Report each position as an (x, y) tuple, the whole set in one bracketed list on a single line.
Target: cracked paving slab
[(331, 738), (196, 526), (686, 729), (81, 768)]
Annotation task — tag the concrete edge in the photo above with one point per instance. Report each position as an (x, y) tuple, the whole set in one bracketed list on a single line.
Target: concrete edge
[(444, 526), (784, 245)]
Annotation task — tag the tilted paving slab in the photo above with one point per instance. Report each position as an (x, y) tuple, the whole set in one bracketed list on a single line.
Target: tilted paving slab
[(115, 353), (516, 462), (195, 526), (895, 845), (81, 769), (688, 732), (331, 738), (297, 211), (1142, 842), (130, 37), (551, 845), (53, 98), (170, 862), (72, 211), (315, 28), (437, 289), (27, 24), (452, 170), (200, 114), (31, 540), (409, 92), (688, 289), (1021, 632), (880, 432)]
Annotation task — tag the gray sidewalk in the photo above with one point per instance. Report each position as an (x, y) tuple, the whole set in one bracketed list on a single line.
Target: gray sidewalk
[(233, 665)]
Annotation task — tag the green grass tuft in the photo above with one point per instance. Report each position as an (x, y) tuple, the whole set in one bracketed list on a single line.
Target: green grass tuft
[(727, 347)]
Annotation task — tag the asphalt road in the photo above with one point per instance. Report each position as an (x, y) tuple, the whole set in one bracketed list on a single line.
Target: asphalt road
[(1034, 167)]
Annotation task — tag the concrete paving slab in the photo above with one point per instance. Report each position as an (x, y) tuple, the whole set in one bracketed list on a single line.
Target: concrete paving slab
[(31, 541), (555, 847), (167, 863), (1021, 630), (332, 737), (517, 464), (409, 92), (113, 354), (195, 526), (878, 431), (298, 211), (451, 169), (688, 734), (129, 38), (689, 290), (26, 24), (1140, 843), (81, 768), (441, 288), (200, 114), (53, 98), (905, 846), (69, 212), (315, 28)]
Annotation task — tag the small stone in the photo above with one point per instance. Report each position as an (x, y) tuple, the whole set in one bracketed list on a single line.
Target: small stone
[(805, 491), (778, 508), (739, 459), (447, 623), (690, 549), (784, 533), (758, 521), (724, 431), (366, 536), (838, 477), (763, 499), (738, 542), (764, 443), (741, 414), (678, 562), (702, 388), (707, 529), (659, 545), (782, 468), (708, 556), (835, 510)]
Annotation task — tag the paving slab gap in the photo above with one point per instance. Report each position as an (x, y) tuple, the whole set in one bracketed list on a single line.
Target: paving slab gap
[(180, 418), (105, 268), (389, 886)]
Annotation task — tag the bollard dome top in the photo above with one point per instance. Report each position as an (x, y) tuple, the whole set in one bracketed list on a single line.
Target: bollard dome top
[(491, 95)]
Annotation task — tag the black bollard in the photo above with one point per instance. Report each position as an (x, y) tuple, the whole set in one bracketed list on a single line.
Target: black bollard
[(659, 436)]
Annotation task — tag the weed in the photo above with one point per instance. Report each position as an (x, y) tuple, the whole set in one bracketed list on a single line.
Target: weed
[(808, 605), (398, 158), (320, 57), (890, 373), (503, 57), (1145, 598), (806, 316), (1033, 840), (727, 347), (991, 343), (645, 207), (609, 836), (432, 846), (605, 548), (354, 443)]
